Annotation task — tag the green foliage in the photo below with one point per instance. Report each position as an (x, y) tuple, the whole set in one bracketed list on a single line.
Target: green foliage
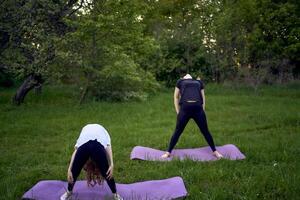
[(79, 42), (122, 80), (31, 32), (110, 51), (183, 31), (259, 34)]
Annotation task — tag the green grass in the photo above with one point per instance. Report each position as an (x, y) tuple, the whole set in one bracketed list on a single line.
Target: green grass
[(37, 140)]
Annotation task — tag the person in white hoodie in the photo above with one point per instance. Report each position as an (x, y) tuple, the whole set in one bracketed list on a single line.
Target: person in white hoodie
[(92, 152)]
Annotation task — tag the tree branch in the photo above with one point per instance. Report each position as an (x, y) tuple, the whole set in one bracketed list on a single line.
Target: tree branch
[(80, 6), (67, 8)]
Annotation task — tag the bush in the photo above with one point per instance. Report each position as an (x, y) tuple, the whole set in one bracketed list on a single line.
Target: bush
[(122, 80)]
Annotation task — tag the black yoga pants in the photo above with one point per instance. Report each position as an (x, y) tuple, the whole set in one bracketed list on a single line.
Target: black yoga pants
[(94, 150), (187, 111)]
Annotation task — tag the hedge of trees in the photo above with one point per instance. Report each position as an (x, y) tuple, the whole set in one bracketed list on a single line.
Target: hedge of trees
[(124, 49)]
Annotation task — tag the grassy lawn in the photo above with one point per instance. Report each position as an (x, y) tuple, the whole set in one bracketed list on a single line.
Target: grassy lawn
[(37, 140)]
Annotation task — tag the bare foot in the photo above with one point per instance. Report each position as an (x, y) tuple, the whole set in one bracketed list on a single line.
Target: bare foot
[(217, 154), (166, 155)]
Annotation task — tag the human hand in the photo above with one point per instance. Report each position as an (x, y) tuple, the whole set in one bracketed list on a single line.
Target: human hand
[(109, 172)]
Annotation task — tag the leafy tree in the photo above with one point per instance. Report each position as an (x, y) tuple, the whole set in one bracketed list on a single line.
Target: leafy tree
[(28, 33), (183, 29), (260, 35), (110, 51)]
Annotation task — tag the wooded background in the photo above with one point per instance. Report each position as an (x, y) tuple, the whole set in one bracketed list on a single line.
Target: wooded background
[(125, 49)]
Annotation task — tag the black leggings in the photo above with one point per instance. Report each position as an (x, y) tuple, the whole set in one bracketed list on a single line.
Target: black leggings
[(94, 150), (187, 111)]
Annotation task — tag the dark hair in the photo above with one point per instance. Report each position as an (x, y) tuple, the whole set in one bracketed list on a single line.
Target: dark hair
[(93, 175), (182, 71)]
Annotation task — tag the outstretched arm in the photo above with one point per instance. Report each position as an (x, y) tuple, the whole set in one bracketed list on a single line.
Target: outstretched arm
[(176, 99), (109, 155), (70, 175), (203, 98)]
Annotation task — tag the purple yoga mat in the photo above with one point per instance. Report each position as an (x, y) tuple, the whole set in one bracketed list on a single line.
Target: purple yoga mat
[(166, 189), (229, 151)]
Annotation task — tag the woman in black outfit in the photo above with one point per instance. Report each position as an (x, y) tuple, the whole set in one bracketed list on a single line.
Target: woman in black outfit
[(189, 101)]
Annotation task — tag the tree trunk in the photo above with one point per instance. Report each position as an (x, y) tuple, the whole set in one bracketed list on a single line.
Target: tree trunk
[(29, 83)]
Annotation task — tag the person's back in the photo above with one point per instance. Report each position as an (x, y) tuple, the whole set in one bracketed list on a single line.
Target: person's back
[(93, 132), (190, 90)]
